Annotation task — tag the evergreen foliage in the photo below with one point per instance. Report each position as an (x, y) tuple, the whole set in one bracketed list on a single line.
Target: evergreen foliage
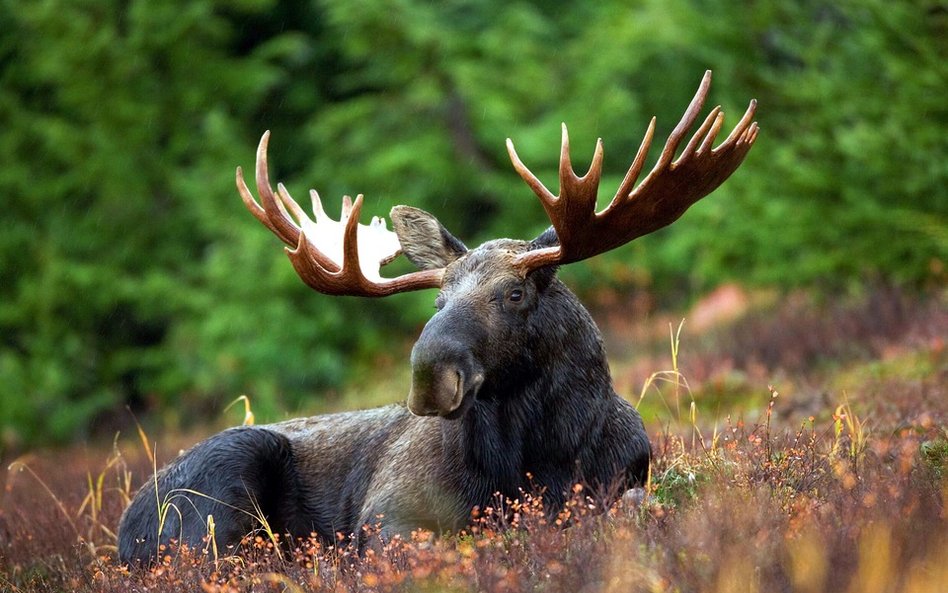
[(131, 274)]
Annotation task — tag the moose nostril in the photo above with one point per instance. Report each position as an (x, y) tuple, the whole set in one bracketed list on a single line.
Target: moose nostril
[(476, 380), (451, 398)]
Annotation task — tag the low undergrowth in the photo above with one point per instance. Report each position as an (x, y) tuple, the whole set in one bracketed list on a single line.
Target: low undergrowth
[(849, 504), (845, 493)]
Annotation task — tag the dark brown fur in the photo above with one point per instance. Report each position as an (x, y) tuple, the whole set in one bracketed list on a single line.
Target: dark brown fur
[(509, 379)]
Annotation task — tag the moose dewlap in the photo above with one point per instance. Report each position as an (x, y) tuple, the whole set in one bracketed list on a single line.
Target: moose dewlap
[(509, 377)]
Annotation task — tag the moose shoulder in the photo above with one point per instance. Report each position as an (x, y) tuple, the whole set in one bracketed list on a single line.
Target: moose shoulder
[(510, 387)]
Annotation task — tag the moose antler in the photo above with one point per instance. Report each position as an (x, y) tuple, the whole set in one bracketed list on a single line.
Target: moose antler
[(338, 258), (663, 196), (344, 257)]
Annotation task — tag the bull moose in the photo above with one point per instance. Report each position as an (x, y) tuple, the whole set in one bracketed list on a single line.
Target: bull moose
[(510, 388)]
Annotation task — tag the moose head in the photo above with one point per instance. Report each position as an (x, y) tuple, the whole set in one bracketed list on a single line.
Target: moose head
[(491, 297)]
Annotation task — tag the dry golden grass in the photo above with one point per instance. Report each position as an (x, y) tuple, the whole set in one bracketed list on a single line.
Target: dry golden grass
[(841, 492)]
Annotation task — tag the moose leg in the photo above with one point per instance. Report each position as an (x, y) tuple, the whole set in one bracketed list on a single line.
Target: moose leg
[(241, 477)]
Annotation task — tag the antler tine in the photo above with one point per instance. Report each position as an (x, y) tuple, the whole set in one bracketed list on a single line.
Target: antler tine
[(628, 182), (288, 204), (350, 241), (700, 135), (272, 214), (250, 202), (347, 207), (712, 133), (687, 120), (572, 185), (742, 126), (577, 196), (318, 211), (545, 195), (577, 199), (325, 253), (280, 222), (669, 189)]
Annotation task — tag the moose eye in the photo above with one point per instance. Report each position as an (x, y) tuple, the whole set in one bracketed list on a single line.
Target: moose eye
[(515, 295)]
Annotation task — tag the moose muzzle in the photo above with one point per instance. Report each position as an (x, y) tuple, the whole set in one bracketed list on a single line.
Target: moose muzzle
[(441, 390), (445, 374)]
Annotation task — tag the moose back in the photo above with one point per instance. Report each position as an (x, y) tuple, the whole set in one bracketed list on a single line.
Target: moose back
[(510, 388)]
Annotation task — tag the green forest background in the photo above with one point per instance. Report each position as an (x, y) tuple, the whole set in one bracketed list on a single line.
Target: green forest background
[(131, 274)]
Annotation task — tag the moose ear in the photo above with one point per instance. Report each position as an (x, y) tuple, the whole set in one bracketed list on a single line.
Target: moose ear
[(547, 238), (425, 242)]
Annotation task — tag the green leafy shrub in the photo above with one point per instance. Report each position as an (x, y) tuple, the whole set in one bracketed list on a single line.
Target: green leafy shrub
[(130, 273)]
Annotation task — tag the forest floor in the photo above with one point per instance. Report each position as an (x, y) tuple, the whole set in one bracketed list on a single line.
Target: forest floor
[(800, 444)]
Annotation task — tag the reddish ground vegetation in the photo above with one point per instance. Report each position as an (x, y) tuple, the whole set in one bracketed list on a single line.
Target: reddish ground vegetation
[(801, 342), (843, 493)]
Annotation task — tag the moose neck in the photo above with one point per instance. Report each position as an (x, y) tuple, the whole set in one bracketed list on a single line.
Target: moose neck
[(542, 408)]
